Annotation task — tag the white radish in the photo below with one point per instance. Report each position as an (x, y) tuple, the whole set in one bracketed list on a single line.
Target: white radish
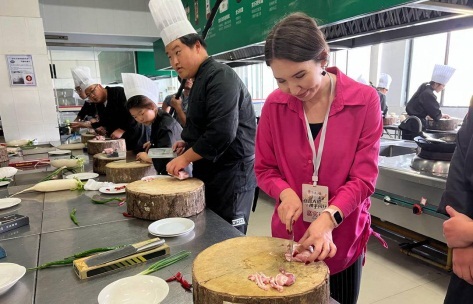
[(6, 172), (68, 163), (54, 185), (18, 143), (76, 146)]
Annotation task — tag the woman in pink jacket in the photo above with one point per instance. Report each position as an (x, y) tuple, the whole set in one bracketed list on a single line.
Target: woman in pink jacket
[(317, 148)]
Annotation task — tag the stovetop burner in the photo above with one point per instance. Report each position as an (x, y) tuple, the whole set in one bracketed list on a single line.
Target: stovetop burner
[(429, 155), (434, 167)]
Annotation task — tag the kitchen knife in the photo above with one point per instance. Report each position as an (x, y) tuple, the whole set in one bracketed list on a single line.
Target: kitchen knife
[(161, 153), (116, 254), (292, 242), (130, 157)]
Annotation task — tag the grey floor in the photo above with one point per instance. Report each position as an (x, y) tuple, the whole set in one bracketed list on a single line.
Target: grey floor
[(389, 276)]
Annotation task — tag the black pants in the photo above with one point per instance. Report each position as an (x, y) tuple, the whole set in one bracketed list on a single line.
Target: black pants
[(345, 285), (459, 291), (229, 190)]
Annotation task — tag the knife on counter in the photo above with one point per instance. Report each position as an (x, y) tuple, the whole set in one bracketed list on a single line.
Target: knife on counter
[(116, 254)]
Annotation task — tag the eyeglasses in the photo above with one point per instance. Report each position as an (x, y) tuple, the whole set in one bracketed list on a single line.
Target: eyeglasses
[(91, 92)]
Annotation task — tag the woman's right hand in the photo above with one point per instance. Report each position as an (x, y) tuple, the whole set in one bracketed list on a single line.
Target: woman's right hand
[(290, 208), (179, 147)]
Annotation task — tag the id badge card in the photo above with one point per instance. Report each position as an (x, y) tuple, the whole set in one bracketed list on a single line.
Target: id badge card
[(314, 201)]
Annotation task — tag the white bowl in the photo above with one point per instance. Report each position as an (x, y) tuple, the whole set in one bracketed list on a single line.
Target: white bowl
[(139, 289), (10, 274)]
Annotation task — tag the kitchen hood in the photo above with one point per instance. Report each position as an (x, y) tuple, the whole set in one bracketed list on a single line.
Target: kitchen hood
[(402, 22)]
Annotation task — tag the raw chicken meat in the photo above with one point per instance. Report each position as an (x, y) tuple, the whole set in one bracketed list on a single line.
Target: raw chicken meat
[(282, 279), (300, 256)]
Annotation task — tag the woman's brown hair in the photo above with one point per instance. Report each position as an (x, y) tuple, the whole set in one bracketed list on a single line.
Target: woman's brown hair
[(296, 38)]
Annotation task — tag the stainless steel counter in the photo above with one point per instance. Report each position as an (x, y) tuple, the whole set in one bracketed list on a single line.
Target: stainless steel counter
[(398, 178), (51, 236)]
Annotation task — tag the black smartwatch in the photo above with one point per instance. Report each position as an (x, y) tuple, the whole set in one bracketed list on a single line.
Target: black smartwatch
[(335, 215)]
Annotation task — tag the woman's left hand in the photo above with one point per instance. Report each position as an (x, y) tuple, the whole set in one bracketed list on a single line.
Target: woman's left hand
[(143, 157), (319, 237)]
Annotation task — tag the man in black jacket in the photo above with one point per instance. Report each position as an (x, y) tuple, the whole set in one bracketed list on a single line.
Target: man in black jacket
[(220, 131), (457, 201), (115, 120)]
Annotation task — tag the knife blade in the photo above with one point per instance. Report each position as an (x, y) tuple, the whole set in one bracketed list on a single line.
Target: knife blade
[(130, 157), (116, 254), (292, 242)]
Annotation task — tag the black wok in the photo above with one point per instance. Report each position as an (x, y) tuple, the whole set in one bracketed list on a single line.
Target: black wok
[(426, 145)]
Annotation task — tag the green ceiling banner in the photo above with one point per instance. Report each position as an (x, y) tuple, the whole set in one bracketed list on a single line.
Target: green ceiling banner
[(240, 23)]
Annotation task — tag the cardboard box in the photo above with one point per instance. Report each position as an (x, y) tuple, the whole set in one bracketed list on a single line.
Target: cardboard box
[(13, 221)]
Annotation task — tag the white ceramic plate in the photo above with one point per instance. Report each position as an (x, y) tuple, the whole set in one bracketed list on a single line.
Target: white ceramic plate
[(4, 183), (112, 190), (9, 202), (10, 274), (83, 176), (59, 152), (173, 226), (151, 177), (138, 289)]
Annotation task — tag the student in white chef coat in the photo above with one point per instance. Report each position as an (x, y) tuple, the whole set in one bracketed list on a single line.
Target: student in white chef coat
[(141, 94), (384, 83)]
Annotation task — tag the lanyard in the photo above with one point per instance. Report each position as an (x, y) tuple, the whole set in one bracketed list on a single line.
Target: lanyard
[(317, 157)]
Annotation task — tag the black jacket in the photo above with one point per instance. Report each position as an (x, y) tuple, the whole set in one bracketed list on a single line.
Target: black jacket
[(115, 115), (459, 189), (88, 109), (423, 103), (221, 123), (384, 105), (165, 131)]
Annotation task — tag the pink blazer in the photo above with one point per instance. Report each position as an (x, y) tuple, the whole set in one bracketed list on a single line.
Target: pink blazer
[(349, 165)]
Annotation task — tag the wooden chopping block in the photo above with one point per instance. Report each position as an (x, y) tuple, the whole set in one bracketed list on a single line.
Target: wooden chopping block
[(220, 274), (97, 146), (100, 160), (165, 197), (3, 154), (84, 138), (122, 172)]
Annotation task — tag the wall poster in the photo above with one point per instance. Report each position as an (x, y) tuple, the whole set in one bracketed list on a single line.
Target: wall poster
[(21, 70)]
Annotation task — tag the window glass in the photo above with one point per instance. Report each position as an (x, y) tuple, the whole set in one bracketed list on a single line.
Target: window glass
[(358, 62), (426, 52), (460, 87)]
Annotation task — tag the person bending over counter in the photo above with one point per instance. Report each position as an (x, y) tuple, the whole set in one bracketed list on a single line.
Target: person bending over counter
[(115, 120), (219, 134), (141, 94), (322, 188)]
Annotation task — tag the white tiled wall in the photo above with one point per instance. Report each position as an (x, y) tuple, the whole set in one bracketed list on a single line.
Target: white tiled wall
[(26, 112)]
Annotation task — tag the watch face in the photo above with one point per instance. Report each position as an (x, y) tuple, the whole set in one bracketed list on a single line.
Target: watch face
[(337, 217)]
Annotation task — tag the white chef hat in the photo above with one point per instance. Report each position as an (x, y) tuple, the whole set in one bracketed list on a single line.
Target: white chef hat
[(82, 77), (135, 84), (384, 81), (442, 73), (170, 19), (362, 79)]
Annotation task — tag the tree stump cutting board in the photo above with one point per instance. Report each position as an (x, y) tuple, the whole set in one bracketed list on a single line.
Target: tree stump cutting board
[(97, 146), (100, 160), (220, 274), (122, 172), (84, 138), (165, 197)]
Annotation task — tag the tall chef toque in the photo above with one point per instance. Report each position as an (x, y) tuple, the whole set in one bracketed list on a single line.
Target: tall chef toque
[(170, 19), (384, 81), (82, 77), (135, 84), (442, 73)]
